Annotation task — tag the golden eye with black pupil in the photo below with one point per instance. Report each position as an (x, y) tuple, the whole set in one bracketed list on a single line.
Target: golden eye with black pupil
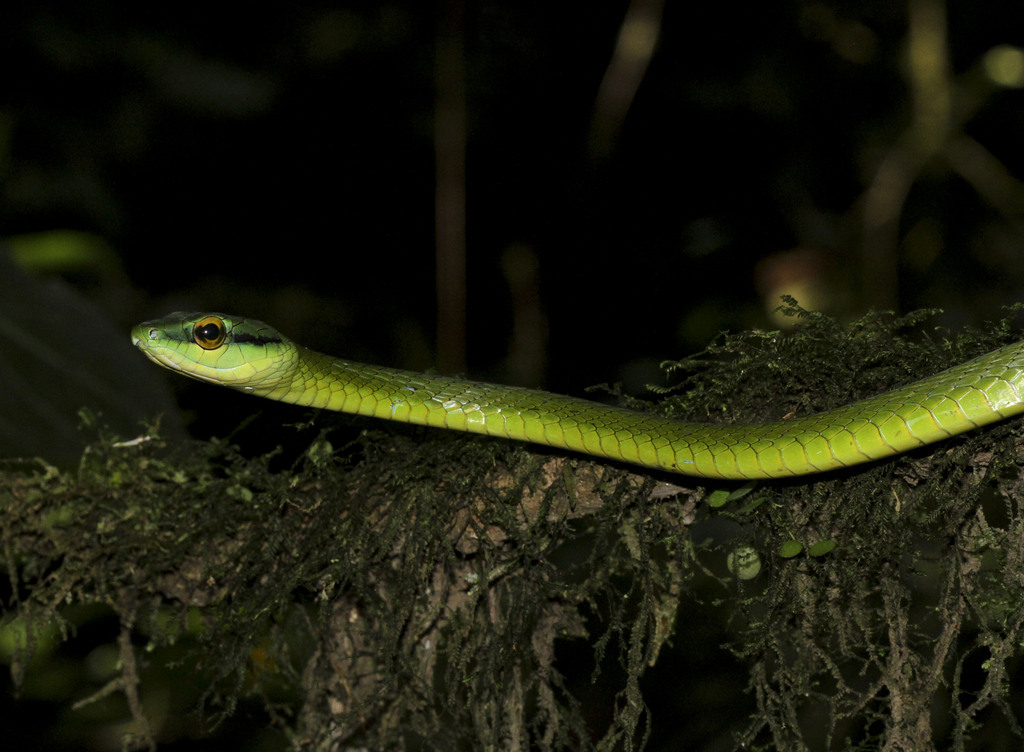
[(209, 332)]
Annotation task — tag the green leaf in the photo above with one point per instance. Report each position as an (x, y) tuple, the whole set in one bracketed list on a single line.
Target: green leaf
[(821, 548), (790, 548), (723, 496), (751, 506), (718, 498)]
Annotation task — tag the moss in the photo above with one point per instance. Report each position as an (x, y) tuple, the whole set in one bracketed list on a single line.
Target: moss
[(424, 590)]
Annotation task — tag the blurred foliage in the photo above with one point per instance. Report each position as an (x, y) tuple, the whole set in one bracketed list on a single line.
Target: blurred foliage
[(280, 164), (63, 364)]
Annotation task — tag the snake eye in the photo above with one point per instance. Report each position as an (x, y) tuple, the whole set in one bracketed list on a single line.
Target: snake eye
[(209, 332)]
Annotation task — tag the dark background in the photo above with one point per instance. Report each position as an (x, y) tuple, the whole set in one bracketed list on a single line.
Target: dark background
[(279, 162)]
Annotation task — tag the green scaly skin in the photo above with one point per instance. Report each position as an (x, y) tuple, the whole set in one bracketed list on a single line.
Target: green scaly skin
[(255, 358)]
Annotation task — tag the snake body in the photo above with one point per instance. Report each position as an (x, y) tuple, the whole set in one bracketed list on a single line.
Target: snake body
[(253, 357)]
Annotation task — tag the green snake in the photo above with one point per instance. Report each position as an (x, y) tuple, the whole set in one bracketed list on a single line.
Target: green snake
[(253, 357)]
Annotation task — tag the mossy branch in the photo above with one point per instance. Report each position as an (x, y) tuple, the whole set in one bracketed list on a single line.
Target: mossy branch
[(419, 588)]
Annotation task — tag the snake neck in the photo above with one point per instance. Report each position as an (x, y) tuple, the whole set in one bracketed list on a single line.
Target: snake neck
[(300, 376), (272, 375)]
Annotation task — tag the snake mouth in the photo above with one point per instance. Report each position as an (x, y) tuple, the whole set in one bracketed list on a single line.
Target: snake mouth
[(164, 357), (143, 344), (158, 357), (235, 374), (193, 371)]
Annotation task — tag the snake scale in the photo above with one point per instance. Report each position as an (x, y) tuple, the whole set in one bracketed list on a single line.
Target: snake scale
[(254, 357)]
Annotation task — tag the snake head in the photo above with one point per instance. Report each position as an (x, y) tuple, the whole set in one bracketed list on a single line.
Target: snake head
[(244, 354)]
